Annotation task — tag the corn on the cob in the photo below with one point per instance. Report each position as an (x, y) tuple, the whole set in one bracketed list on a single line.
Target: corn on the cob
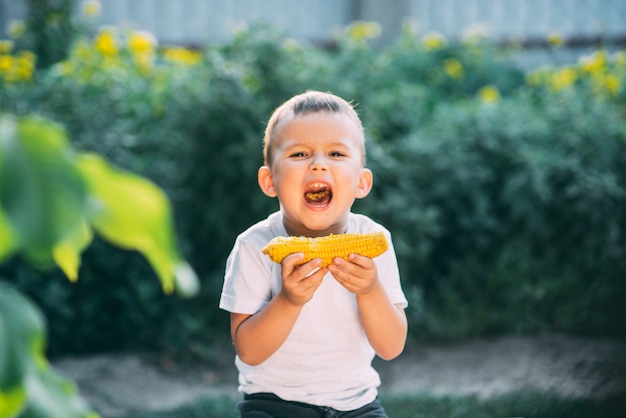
[(328, 247)]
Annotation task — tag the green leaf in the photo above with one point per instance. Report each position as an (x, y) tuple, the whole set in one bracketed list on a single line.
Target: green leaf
[(133, 213), (21, 326), (26, 379), (12, 401), (67, 253), (41, 190), (187, 284), (7, 238), (53, 396)]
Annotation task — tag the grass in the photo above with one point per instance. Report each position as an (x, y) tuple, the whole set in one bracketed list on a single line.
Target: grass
[(518, 405)]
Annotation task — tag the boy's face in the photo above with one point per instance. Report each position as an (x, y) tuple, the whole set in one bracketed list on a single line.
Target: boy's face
[(317, 172)]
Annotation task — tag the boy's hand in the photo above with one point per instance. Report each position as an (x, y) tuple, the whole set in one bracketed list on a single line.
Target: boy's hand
[(300, 281), (358, 274)]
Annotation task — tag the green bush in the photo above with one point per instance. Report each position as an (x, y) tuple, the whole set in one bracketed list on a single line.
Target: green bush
[(503, 189), (510, 217)]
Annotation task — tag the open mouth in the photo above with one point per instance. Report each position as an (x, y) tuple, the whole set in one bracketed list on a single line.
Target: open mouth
[(318, 194)]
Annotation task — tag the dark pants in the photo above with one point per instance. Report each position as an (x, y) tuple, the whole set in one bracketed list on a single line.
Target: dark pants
[(268, 405)]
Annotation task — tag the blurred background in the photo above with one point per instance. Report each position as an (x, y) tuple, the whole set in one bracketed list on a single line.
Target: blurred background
[(496, 133), (581, 24)]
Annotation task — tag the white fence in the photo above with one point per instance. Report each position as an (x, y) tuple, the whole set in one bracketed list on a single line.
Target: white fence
[(200, 21), (194, 22), (520, 19)]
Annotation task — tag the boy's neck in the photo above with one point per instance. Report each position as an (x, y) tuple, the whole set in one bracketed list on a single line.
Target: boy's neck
[(305, 232)]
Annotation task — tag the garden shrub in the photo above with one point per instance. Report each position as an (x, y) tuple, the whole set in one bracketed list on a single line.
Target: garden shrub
[(511, 217)]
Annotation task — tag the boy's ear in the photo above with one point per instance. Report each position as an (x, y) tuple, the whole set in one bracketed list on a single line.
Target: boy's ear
[(266, 182), (366, 179)]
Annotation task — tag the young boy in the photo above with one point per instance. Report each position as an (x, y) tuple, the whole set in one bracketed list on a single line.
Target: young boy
[(306, 335)]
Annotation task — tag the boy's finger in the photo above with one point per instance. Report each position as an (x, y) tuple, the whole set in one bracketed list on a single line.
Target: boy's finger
[(292, 260)]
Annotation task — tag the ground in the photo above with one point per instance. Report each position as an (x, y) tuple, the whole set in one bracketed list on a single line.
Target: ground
[(116, 385)]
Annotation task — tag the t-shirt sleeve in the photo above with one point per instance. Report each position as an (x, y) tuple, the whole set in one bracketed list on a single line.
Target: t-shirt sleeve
[(247, 287), (389, 274)]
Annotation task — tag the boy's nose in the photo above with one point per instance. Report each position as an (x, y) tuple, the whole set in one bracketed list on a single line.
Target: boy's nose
[(318, 163)]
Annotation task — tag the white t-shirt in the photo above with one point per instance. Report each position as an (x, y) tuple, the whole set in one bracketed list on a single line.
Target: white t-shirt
[(326, 360)]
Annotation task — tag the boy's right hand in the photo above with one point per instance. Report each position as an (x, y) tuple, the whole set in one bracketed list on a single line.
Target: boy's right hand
[(300, 281)]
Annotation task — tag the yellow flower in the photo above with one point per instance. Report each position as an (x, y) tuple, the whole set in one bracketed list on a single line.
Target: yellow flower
[(562, 78), (17, 68), (6, 62), (144, 62), (361, 30), (92, 8), (489, 94), (25, 65), (27, 56), (141, 41), (16, 28), (453, 68), (6, 46), (612, 84), (433, 40), (105, 43), (555, 39), (182, 56), (594, 63)]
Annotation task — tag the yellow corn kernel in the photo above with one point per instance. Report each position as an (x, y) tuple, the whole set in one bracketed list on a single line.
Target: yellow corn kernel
[(327, 248)]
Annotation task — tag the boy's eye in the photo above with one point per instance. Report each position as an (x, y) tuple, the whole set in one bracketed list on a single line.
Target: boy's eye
[(337, 154), (298, 154)]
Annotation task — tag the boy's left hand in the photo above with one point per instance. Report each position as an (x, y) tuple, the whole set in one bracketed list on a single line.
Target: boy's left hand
[(358, 274)]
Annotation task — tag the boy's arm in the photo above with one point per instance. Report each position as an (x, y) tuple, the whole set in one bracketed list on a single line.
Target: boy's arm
[(385, 323), (256, 337)]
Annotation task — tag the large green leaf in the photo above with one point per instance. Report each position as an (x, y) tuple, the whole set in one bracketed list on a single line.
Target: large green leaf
[(53, 396), (21, 326), (28, 385), (67, 253), (12, 401), (7, 239), (50, 198), (12, 393), (41, 190), (133, 213)]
